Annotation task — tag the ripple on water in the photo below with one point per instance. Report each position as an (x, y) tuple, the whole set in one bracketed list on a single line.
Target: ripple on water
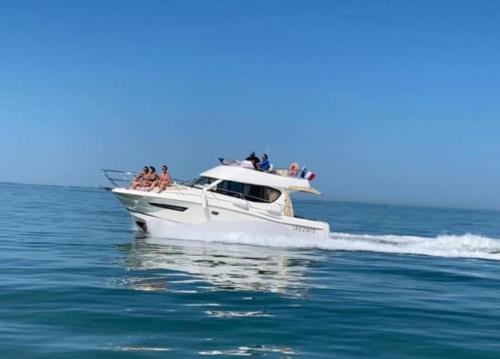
[(249, 351), (142, 349), (236, 314)]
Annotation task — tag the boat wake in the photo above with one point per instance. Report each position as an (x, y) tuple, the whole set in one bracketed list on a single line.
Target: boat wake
[(458, 246)]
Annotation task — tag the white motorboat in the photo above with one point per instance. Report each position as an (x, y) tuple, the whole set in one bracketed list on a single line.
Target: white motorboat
[(223, 194)]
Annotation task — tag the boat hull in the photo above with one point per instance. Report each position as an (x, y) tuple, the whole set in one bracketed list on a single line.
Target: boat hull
[(191, 207)]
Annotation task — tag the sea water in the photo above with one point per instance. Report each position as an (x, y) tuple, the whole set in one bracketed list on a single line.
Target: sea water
[(78, 281)]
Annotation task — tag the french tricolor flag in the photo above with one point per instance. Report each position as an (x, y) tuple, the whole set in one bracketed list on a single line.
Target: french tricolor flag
[(308, 175)]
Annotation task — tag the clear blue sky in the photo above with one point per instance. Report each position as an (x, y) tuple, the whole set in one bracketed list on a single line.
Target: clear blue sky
[(388, 101)]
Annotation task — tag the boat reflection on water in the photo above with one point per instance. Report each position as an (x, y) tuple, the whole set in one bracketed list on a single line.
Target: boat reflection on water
[(224, 266)]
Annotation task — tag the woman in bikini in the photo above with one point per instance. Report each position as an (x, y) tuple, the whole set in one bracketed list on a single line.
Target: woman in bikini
[(139, 180), (164, 181), (152, 179)]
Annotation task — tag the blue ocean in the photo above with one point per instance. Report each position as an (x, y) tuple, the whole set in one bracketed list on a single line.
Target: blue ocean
[(78, 281)]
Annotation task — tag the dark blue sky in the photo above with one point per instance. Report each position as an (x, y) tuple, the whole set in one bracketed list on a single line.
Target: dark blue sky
[(388, 101)]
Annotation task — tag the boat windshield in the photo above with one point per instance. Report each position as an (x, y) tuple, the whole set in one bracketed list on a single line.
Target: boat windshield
[(250, 192), (201, 181)]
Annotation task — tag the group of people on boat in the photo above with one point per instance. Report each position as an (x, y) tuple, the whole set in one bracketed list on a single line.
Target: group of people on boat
[(149, 180), (261, 164)]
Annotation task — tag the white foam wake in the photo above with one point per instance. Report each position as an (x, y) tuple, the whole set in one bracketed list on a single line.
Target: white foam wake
[(465, 246)]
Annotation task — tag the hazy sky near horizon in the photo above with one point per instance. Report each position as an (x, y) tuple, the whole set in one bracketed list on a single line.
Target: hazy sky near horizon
[(387, 101)]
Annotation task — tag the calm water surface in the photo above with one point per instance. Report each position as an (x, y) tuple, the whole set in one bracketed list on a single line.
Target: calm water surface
[(77, 281)]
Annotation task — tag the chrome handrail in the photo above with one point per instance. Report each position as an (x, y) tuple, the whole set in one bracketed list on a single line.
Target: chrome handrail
[(278, 171), (124, 176)]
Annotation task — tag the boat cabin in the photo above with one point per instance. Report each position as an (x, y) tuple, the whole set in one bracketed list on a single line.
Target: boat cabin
[(253, 186)]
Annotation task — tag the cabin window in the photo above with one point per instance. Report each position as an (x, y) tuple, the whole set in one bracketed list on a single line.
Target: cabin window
[(200, 182), (250, 192)]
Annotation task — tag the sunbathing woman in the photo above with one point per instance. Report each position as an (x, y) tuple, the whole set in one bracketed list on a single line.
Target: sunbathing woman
[(139, 180), (164, 180), (152, 179), (293, 170)]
